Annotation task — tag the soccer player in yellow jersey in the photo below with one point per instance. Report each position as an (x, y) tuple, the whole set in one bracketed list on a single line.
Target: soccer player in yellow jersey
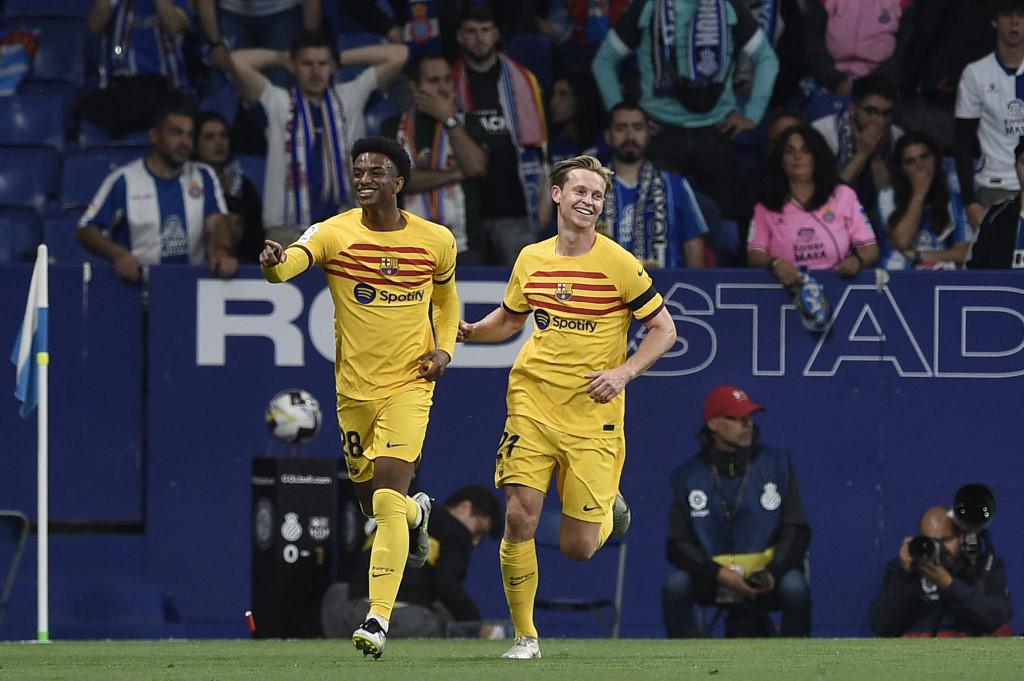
[(565, 392), (384, 267)]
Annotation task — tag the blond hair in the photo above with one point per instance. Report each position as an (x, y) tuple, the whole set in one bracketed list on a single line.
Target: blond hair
[(560, 172)]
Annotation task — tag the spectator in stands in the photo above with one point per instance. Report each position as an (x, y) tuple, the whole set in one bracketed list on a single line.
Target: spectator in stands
[(311, 128), (944, 36), (434, 595), (652, 213), (575, 126), (687, 88), (240, 24), (505, 97), (863, 136), (737, 529), (449, 153), (989, 113), (141, 58), (806, 218), (925, 222), (782, 22), (1000, 241), (578, 28), (162, 208), (847, 40), (954, 594), (245, 210), (433, 26), (750, 183)]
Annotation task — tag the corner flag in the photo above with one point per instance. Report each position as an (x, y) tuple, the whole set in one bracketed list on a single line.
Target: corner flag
[(30, 347)]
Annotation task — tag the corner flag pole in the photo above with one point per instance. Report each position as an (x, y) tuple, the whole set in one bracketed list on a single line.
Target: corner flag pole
[(31, 359), (42, 359)]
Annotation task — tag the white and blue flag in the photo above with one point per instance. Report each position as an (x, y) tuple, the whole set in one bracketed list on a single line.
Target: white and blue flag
[(30, 347)]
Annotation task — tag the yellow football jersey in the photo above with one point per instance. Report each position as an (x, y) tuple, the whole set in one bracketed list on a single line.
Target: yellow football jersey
[(381, 283), (582, 306)]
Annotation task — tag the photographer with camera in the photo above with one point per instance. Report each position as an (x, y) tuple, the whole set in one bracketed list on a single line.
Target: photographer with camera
[(737, 529), (947, 581)]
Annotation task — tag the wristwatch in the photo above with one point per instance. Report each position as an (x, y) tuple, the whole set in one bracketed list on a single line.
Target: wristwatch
[(452, 122)]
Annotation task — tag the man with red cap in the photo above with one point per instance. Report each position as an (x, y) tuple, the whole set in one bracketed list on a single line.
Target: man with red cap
[(737, 529)]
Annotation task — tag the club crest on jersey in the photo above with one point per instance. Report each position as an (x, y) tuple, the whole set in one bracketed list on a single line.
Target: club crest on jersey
[(563, 291), (195, 191), (388, 265)]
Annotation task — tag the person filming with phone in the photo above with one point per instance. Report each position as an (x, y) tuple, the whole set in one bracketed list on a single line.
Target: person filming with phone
[(737, 530), (947, 581)]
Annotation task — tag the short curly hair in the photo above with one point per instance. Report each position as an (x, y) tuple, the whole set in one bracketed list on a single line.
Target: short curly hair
[(388, 147)]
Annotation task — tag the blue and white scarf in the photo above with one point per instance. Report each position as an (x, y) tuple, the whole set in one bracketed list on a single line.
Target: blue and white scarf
[(647, 236), (301, 142), (707, 61)]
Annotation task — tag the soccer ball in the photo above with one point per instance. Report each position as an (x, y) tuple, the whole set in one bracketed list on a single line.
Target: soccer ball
[(293, 416)]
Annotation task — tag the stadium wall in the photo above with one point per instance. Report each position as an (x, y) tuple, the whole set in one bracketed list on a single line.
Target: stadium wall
[(912, 393)]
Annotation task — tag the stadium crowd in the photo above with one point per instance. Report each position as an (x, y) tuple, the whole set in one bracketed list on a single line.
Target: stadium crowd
[(486, 98)]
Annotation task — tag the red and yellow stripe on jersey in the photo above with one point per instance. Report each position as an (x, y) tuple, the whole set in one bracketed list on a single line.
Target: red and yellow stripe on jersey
[(382, 284), (582, 308)]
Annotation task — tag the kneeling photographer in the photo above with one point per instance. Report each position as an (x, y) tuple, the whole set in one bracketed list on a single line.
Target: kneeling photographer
[(947, 581)]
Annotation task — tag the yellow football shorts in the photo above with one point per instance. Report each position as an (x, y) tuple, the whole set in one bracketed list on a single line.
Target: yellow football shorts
[(588, 468), (393, 426)]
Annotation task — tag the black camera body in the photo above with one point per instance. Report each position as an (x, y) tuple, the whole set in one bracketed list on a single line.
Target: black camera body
[(759, 580), (926, 550)]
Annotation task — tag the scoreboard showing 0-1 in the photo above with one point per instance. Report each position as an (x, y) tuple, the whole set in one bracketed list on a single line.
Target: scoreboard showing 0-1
[(293, 538)]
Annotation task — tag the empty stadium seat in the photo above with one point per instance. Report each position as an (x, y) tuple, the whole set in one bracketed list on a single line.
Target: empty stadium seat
[(64, 91), (29, 176), (61, 51), (47, 8), (59, 236), (21, 230), (91, 136), (32, 120), (83, 173)]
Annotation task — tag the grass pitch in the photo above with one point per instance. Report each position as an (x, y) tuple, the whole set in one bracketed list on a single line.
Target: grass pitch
[(564, 659)]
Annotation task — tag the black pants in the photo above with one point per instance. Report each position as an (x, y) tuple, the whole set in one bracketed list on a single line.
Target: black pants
[(704, 155), (126, 105)]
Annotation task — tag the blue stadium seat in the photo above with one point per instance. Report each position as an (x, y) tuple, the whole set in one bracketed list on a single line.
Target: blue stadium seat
[(83, 173), (29, 176), (32, 119), (21, 230), (66, 92), (47, 8), (533, 50), (59, 236), (91, 136), (253, 167), (61, 51)]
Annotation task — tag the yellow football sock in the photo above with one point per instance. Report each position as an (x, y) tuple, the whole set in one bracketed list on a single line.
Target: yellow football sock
[(390, 550), (519, 577), (412, 512)]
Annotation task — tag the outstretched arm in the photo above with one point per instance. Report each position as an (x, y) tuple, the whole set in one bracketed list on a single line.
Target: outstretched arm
[(661, 336), (500, 324)]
